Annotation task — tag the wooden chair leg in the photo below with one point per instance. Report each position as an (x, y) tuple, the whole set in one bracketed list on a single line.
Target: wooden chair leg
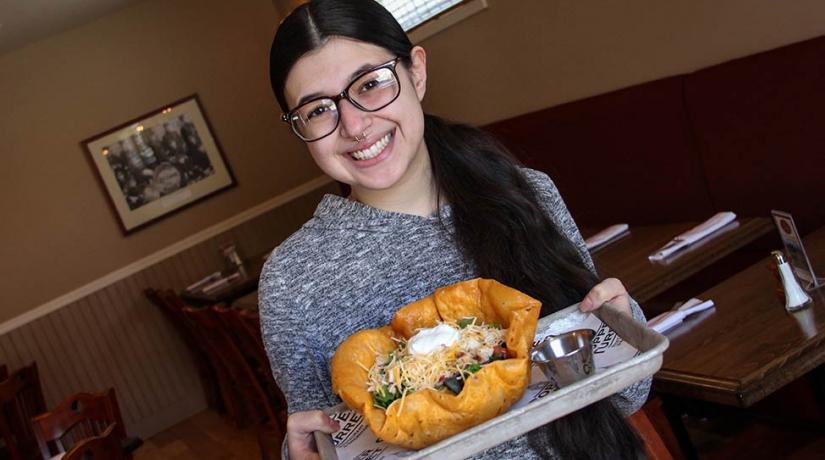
[(270, 438), (655, 448), (673, 411)]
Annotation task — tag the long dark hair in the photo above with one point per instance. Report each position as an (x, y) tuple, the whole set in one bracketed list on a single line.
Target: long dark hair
[(499, 222)]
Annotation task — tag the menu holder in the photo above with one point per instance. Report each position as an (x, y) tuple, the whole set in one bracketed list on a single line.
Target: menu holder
[(795, 250)]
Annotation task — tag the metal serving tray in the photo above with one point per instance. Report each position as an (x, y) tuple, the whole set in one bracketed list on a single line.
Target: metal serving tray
[(649, 344)]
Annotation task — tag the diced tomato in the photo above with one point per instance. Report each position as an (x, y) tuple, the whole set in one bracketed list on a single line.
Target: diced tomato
[(500, 353)]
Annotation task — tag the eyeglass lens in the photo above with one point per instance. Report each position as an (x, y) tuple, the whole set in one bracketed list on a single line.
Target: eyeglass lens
[(370, 92)]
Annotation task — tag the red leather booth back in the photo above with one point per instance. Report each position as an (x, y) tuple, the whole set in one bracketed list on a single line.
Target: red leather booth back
[(760, 126), (747, 135)]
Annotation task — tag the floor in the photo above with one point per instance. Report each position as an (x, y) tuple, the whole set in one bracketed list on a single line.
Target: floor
[(205, 436), (732, 437)]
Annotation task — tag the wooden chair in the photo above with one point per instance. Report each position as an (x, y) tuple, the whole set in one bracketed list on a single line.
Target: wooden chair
[(106, 446), (655, 446), (258, 405), (79, 417), (21, 398), (244, 325), (171, 306)]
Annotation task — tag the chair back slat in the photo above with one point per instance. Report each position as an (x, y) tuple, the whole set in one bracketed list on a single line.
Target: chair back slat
[(21, 397), (106, 446), (245, 326), (171, 305), (223, 348), (78, 417)]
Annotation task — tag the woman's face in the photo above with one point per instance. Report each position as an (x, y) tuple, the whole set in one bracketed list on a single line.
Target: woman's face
[(327, 71)]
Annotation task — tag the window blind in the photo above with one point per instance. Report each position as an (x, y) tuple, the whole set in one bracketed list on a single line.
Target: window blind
[(411, 13)]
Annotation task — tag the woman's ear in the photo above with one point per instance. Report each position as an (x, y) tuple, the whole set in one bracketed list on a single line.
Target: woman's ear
[(418, 70)]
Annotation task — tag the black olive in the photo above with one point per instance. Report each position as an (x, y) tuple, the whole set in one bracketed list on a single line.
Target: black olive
[(454, 384)]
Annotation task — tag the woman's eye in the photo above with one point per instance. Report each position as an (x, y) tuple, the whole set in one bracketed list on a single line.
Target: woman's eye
[(317, 111), (372, 84)]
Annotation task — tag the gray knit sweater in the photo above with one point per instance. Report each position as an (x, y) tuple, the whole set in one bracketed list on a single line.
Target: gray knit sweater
[(350, 268)]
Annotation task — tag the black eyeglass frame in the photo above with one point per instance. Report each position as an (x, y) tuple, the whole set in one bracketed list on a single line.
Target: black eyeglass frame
[(289, 116)]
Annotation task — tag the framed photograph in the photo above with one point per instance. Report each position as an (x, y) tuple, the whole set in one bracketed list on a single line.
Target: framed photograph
[(159, 163), (794, 249)]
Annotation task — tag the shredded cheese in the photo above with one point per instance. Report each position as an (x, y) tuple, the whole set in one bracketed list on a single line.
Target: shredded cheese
[(402, 372)]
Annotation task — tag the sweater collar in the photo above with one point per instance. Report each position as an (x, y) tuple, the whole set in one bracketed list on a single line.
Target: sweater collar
[(338, 211)]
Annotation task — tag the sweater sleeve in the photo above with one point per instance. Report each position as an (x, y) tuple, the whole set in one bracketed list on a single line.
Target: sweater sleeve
[(631, 398), (282, 330)]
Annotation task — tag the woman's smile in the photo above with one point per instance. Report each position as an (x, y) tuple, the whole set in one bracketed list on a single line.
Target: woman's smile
[(373, 152)]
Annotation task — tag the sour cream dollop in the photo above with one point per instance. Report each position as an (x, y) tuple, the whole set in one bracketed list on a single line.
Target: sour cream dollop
[(429, 340)]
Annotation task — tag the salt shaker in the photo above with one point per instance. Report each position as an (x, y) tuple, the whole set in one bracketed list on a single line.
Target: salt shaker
[(795, 296), (233, 259)]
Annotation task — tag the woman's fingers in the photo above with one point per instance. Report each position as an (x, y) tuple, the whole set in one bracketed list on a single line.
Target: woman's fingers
[(610, 291), (314, 420), (299, 428)]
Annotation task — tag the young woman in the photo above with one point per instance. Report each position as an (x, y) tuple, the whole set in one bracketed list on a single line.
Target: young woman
[(432, 203)]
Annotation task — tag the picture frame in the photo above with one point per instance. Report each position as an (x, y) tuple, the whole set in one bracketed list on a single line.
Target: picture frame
[(159, 163), (795, 249)]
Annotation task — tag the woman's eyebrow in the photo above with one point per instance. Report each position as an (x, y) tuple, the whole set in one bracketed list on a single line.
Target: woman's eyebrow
[(352, 76), (361, 70)]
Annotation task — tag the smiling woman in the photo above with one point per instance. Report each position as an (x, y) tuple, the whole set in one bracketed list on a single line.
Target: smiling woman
[(432, 203), (381, 156)]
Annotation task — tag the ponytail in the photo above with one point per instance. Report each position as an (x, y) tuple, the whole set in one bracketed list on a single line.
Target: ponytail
[(503, 230)]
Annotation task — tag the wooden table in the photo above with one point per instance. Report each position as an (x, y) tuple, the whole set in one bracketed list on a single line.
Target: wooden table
[(248, 282), (626, 259), (249, 301), (749, 345), (745, 348)]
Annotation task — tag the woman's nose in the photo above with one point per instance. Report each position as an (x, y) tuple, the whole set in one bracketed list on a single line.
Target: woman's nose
[(354, 121)]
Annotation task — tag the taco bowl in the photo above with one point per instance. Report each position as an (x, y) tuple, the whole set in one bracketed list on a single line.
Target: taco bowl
[(379, 373)]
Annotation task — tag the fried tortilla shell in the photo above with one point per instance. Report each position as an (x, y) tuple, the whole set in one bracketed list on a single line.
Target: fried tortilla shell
[(427, 416)]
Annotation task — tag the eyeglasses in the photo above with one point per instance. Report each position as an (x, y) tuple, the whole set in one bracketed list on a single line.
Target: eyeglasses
[(371, 91)]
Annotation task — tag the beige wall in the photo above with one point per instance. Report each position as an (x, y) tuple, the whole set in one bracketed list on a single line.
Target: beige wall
[(58, 232), (517, 56), (523, 55)]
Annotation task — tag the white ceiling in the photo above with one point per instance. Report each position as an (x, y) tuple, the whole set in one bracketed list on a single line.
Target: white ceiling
[(25, 21)]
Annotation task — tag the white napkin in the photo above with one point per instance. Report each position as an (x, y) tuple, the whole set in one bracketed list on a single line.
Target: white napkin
[(669, 319), (693, 235), (606, 236), (207, 279), (220, 283)]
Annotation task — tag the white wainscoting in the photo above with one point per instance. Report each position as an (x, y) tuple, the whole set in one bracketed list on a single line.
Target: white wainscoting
[(112, 336)]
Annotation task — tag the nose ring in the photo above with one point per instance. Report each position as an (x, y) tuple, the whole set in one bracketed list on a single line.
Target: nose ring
[(361, 137)]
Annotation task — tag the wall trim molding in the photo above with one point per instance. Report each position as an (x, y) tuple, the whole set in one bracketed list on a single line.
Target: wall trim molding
[(169, 251)]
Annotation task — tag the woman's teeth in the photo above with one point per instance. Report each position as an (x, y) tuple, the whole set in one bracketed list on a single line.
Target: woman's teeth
[(372, 150)]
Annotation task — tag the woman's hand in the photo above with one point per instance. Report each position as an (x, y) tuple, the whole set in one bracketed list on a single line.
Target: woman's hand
[(299, 428), (611, 291)]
